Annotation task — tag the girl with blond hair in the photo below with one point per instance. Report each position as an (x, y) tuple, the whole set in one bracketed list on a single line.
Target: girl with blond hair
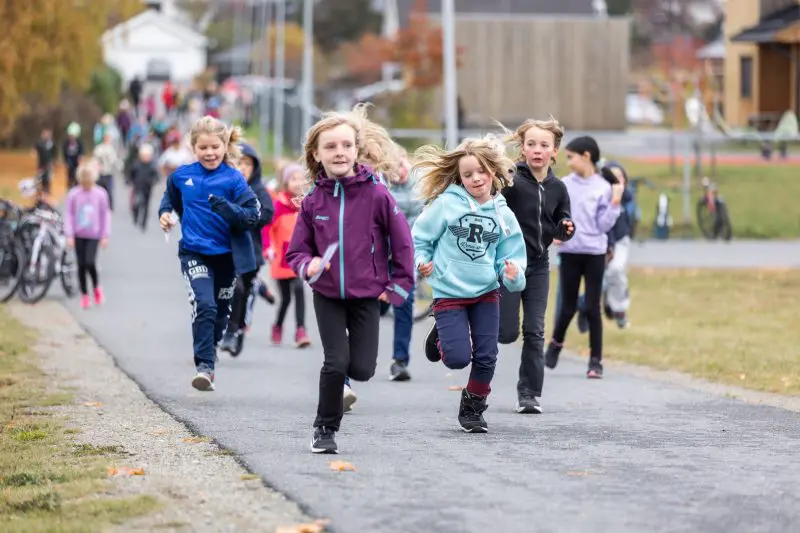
[(341, 245), (464, 240), (217, 211)]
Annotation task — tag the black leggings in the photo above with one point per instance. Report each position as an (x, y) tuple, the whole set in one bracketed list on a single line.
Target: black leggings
[(85, 255), (591, 268), (286, 288), (245, 289)]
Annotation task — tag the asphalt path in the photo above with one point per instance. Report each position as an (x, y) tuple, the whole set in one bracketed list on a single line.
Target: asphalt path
[(621, 454)]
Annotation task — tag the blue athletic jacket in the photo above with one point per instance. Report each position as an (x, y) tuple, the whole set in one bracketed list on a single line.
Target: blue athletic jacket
[(217, 211)]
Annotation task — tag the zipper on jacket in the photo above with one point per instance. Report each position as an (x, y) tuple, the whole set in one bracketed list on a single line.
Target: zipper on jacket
[(539, 190), (341, 242)]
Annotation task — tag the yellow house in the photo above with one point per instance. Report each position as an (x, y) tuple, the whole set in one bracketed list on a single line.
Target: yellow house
[(762, 57)]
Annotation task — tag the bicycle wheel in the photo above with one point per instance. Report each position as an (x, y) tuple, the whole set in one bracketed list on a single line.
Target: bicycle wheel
[(723, 228), (12, 266), (423, 299), (37, 277), (68, 274), (706, 220)]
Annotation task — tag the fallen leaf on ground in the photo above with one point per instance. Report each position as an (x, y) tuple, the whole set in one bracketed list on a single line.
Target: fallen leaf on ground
[(248, 477), (160, 432), (455, 387), (585, 352), (317, 526), (342, 466), (125, 471), (742, 376), (195, 440), (581, 473), (93, 404)]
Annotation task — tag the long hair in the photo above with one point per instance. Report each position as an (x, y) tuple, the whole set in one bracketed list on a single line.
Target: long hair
[(374, 144), (230, 136), (438, 168), (516, 138)]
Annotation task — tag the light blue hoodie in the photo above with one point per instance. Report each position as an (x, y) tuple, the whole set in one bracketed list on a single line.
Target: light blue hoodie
[(469, 244)]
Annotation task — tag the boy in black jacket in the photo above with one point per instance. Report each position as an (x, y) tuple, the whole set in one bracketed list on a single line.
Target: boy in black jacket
[(540, 202), (233, 340), (142, 175)]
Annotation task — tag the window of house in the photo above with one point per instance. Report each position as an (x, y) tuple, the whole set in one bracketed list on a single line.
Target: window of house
[(746, 77)]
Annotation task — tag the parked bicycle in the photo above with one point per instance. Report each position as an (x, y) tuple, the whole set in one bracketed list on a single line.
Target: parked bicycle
[(12, 253), (712, 213), (41, 234), (423, 299)]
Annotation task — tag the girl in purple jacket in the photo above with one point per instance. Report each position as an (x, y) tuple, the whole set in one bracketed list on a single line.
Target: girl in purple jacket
[(595, 209), (347, 226)]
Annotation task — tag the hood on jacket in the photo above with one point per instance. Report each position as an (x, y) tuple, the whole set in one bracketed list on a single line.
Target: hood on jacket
[(250, 152), (495, 204)]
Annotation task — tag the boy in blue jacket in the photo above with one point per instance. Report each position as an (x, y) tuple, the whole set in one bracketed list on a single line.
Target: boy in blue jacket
[(217, 211)]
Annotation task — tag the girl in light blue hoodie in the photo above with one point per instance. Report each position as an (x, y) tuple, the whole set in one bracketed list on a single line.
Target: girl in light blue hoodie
[(464, 241)]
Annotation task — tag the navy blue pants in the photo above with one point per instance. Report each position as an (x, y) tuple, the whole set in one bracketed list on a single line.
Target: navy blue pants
[(468, 333), (210, 281)]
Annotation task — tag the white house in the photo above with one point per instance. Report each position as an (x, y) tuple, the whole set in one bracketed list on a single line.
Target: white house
[(155, 44)]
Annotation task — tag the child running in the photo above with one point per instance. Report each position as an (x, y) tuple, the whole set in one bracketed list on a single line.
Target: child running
[(596, 207), (541, 204), (287, 206), (464, 241), (217, 211), (241, 308), (87, 225), (142, 176), (351, 212)]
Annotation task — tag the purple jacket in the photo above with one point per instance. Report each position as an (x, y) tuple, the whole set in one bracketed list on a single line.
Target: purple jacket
[(361, 215)]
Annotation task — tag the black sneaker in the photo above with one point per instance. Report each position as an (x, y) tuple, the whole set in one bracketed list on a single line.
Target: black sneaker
[(398, 371), (551, 355), (432, 351), (595, 370), (583, 321), (324, 441), (204, 379), (470, 413), (528, 405), (265, 293)]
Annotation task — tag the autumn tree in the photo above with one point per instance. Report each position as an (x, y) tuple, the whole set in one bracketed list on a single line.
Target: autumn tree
[(49, 45), (343, 21), (293, 49)]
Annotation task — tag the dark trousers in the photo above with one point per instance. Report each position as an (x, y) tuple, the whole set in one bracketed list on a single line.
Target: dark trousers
[(140, 205), (106, 181), (72, 176), (86, 256), (591, 269), (403, 324), (469, 334), (210, 281), (534, 306), (287, 288), (348, 330), (242, 301)]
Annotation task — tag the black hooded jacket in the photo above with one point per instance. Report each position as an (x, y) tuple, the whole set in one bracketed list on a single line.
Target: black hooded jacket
[(540, 209), (267, 208)]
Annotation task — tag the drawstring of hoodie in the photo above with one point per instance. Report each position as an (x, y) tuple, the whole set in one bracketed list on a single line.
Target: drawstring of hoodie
[(474, 207)]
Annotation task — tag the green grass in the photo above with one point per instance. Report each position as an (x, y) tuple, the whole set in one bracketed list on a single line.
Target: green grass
[(761, 200), (48, 483), (729, 326)]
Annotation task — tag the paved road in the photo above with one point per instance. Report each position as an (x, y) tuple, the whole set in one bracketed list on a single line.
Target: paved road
[(624, 454)]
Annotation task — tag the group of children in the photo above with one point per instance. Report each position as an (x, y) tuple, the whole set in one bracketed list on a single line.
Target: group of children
[(482, 241)]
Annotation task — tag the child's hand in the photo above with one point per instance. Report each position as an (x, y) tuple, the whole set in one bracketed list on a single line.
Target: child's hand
[(426, 269), (384, 297), (511, 271), (71, 243), (557, 241), (616, 193), (269, 254), (166, 222), (315, 266), (103, 243), (568, 226)]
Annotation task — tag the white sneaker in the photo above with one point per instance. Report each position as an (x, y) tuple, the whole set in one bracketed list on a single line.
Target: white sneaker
[(348, 399)]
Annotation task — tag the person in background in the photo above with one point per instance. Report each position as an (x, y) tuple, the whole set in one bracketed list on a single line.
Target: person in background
[(73, 153), (142, 176), (176, 154), (110, 164), (124, 121), (87, 226), (45, 150)]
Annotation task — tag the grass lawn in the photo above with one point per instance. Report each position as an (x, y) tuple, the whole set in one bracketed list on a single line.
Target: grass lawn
[(761, 199), (48, 482), (731, 326)]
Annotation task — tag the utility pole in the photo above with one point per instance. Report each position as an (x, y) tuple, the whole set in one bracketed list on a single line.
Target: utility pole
[(266, 67), (280, 75), (450, 81), (308, 63)]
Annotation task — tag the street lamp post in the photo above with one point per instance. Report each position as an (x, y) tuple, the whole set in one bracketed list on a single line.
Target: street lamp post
[(280, 75), (308, 64), (450, 82)]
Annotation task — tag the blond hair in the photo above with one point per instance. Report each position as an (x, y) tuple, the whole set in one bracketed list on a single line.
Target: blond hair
[(438, 168), (374, 144), (517, 138), (230, 136), (88, 170)]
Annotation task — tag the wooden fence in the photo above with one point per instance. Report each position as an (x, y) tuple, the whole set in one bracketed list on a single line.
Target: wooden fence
[(514, 68)]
